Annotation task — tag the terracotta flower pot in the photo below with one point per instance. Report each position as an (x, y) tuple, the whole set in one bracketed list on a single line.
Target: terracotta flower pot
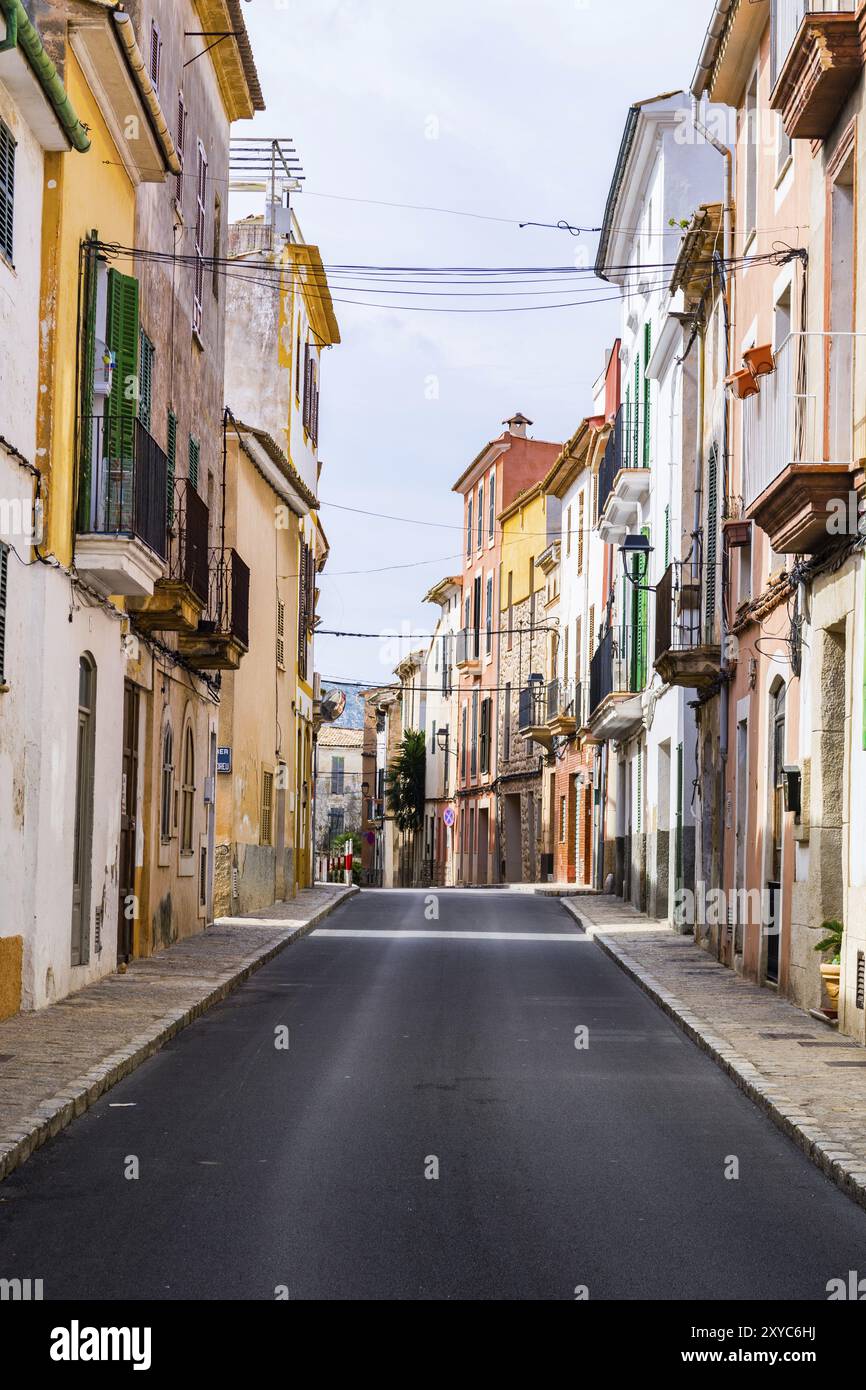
[(743, 384), (760, 360)]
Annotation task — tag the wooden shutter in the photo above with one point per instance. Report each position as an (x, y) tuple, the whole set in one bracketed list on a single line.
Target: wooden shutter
[(580, 528), (647, 386), (7, 191), (314, 409), (635, 422), (281, 634), (4, 579), (155, 54), (194, 460), (180, 142), (145, 379), (171, 454), (123, 340), (641, 625), (712, 537), (201, 192), (307, 383), (302, 609)]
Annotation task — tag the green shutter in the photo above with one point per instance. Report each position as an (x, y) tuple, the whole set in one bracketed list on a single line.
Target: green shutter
[(647, 353), (88, 370), (627, 429), (145, 379), (194, 458), (4, 574), (640, 610), (667, 536), (122, 334), (635, 424), (171, 454)]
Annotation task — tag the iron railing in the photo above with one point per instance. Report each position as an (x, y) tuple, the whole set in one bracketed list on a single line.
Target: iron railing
[(228, 606), (188, 540), (685, 617), (804, 411), (627, 447), (532, 706), (616, 666), (560, 699), (124, 482)]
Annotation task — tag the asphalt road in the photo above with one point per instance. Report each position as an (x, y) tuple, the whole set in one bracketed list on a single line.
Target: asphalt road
[(304, 1168)]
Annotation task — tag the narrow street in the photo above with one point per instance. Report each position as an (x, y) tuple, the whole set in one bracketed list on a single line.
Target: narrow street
[(558, 1166)]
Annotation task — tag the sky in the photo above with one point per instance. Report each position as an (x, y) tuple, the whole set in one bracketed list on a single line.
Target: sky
[(493, 107)]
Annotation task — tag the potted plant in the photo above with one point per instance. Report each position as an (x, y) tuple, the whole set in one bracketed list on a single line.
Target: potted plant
[(743, 384), (831, 970), (760, 360)]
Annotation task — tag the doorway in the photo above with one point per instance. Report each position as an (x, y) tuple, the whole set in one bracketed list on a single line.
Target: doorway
[(82, 852), (483, 838), (126, 912), (513, 853)]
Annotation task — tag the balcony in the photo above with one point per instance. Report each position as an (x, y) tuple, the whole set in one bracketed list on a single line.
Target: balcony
[(121, 540), (222, 636), (468, 657), (616, 679), (688, 649), (562, 713), (532, 714), (180, 597), (817, 59), (798, 453), (623, 478)]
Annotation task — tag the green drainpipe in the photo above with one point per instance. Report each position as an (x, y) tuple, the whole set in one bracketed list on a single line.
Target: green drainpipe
[(22, 34)]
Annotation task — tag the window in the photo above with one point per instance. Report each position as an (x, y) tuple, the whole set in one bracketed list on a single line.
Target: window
[(171, 455), (581, 505), (306, 603), (784, 147), (591, 632), (563, 820), (281, 635), (469, 528), (146, 354), (463, 747), (217, 243), (298, 361), (578, 650), (194, 461), (750, 135), (568, 531), (202, 877), (266, 823), (506, 736), (473, 749), (338, 776), (200, 220), (486, 712), (167, 789), (489, 631), (491, 506), (155, 54), (531, 597), (510, 609), (180, 142), (4, 580), (336, 823), (188, 793), (647, 390), (480, 515), (7, 191)]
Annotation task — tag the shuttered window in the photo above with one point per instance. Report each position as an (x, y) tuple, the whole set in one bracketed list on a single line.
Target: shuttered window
[(171, 454), (7, 191), (639, 638), (180, 142), (491, 519), (155, 54), (281, 634), (200, 222), (647, 386), (635, 421), (194, 461), (123, 341), (712, 536), (4, 583), (147, 352), (306, 602), (265, 832), (308, 362), (581, 521)]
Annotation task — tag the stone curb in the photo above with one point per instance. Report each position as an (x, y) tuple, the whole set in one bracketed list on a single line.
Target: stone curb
[(842, 1168), (55, 1113)]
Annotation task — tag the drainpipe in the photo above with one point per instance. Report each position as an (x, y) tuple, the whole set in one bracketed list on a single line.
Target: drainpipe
[(20, 33)]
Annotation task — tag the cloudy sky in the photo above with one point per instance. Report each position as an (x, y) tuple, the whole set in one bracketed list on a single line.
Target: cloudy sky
[(493, 107)]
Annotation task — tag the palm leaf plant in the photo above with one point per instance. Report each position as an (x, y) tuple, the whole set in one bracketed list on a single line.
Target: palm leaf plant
[(832, 940), (405, 781)]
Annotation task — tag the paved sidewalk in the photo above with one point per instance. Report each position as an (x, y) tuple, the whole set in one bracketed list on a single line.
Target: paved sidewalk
[(55, 1063), (809, 1080)]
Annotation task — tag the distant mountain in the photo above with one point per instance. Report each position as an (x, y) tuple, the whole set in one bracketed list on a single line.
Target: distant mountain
[(353, 715)]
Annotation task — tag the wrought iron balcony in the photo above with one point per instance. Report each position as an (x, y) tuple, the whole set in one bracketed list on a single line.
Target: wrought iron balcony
[(223, 633), (687, 646), (561, 707), (180, 597), (616, 678), (121, 541), (798, 445), (623, 478)]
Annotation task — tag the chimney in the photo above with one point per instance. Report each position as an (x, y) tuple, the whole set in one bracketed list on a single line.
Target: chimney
[(517, 425)]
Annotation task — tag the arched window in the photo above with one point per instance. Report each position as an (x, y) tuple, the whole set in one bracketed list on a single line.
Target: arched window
[(188, 792), (165, 820)]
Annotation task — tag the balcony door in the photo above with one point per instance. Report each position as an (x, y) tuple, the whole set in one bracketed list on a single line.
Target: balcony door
[(839, 412)]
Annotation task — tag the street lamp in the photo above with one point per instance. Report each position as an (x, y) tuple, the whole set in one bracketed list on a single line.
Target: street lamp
[(442, 738), (637, 548)]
